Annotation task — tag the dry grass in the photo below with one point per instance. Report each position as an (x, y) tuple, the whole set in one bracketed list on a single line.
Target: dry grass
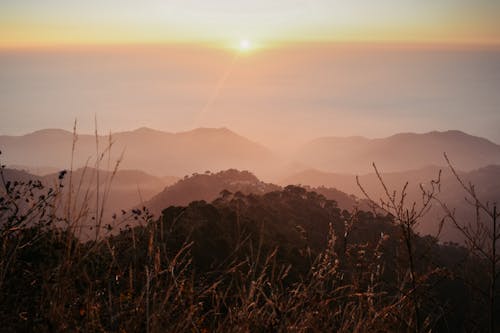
[(52, 281)]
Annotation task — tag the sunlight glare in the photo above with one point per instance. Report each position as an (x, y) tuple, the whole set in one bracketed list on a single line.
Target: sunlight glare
[(245, 45)]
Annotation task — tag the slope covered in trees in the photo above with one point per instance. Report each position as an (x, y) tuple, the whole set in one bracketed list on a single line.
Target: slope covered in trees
[(486, 181), (209, 185), (284, 260)]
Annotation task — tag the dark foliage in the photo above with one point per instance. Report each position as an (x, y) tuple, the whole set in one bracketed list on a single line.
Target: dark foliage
[(285, 260)]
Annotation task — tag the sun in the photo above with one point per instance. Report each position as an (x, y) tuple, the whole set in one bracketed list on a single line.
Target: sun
[(245, 45)]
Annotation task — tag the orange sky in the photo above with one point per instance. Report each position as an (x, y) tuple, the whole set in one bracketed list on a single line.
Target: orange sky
[(223, 23), (278, 96), (314, 67)]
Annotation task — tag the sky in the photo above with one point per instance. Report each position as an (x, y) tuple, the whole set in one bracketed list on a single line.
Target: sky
[(285, 95), (221, 22), (312, 68)]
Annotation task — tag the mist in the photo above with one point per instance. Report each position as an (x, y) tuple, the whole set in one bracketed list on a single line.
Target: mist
[(237, 166), (308, 89)]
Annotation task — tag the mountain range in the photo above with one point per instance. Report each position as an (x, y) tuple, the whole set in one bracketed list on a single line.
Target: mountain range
[(199, 158), (155, 152), (400, 152), (122, 189), (215, 149), (486, 181)]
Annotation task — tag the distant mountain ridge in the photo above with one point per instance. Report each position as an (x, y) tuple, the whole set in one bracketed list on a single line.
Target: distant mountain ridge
[(215, 149), (156, 152), (134, 188), (486, 181), (122, 189), (400, 152)]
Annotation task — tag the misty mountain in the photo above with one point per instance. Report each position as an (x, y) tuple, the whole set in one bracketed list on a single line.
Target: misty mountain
[(126, 189), (35, 170), (400, 152), (120, 190), (486, 181), (155, 152), (179, 154), (11, 175), (209, 186)]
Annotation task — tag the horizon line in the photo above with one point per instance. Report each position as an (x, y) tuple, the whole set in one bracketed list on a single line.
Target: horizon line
[(222, 128), (278, 44)]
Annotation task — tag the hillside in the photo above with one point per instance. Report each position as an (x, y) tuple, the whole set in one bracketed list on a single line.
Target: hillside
[(121, 191), (208, 187), (132, 188), (179, 154), (266, 262), (400, 152), (486, 181), (155, 152)]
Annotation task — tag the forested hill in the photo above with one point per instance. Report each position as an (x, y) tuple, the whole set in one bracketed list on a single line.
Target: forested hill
[(208, 187), (269, 261), (301, 231)]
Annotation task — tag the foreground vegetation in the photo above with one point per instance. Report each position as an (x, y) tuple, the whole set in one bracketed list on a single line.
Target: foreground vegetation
[(288, 260)]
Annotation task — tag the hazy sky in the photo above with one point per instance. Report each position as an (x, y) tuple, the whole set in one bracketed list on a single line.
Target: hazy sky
[(314, 68), (275, 96), (222, 22)]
